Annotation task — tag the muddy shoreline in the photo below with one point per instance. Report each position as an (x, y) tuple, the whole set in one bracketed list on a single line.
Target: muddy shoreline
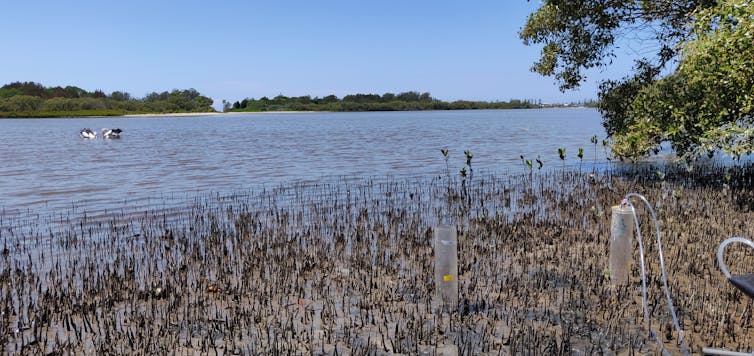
[(347, 269)]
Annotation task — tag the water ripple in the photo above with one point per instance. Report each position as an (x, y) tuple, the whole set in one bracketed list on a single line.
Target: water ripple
[(191, 155)]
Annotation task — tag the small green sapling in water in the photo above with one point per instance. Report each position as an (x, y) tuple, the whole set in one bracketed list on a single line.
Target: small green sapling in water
[(594, 141), (469, 156), (445, 152), (562, 155)]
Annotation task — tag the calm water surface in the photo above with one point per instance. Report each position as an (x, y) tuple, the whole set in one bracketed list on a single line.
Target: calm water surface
[(46, 166)]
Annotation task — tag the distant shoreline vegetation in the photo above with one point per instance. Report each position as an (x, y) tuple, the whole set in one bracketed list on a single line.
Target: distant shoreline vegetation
[(34, 100), (29, 99), (407, 101)]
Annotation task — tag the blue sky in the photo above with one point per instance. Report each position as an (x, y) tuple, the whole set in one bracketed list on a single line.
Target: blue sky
[(236, 49)]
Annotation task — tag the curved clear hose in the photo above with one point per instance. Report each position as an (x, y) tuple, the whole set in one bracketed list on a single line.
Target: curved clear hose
[(626, 200), (721, 249)]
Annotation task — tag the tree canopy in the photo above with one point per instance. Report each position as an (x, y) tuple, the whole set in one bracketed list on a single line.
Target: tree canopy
[(405, 101), (704, 104), (29, 99)]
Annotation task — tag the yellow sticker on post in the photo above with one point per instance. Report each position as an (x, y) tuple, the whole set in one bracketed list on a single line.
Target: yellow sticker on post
[(447, 278)]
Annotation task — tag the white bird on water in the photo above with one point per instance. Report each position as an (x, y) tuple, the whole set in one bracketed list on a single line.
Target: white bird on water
[(111, 133), (88, 133)]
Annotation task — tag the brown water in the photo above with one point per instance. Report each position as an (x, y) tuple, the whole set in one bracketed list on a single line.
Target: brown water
[(46, 167)]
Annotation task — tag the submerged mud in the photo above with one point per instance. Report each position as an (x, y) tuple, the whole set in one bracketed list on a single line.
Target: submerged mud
[(347, 268)]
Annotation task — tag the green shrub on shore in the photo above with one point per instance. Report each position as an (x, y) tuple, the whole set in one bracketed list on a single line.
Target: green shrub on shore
[(28, 99), (407, 101)]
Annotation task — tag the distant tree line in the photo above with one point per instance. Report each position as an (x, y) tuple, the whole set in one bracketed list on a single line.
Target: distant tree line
[(29, 99), (370, 102)]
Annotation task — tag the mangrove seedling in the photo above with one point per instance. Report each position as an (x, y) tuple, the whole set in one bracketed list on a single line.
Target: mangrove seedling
[(531, 176), (594, 141), (562, 155), (463, 180), (469, 156), (445, 152), (539, 163), (580, 155)]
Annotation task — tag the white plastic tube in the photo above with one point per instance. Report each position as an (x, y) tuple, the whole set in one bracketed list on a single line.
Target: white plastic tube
[(446, 264), (621, 232)]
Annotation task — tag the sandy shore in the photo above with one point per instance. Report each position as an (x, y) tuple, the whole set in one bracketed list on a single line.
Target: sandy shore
[(175, 114)]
